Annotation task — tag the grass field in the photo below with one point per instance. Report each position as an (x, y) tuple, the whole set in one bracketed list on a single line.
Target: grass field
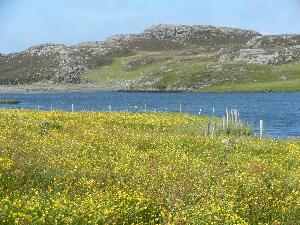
[(141, 168), (126, 68), (275, 86), (184, 70)]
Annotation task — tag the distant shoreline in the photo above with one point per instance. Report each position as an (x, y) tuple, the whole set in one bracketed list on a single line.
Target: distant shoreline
[(54, 88), (61, 88)]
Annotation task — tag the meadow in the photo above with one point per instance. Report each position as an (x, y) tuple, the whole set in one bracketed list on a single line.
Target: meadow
[(141, 168), (199, 72)]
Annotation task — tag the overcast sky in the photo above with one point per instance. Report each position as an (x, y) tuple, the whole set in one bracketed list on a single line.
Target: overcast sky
[(25, 23)]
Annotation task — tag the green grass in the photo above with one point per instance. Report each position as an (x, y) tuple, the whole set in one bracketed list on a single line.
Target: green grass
[(113, 72), (275, 86), (268, 80), (292, 67), (119, 70), (178, 70)]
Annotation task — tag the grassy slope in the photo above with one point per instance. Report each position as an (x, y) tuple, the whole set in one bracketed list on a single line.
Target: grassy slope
[(195, 71), (273, 86), (120, 168), (266, 84), (119, 70)]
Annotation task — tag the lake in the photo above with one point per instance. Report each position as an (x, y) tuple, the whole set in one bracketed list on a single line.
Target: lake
[(280, 111)]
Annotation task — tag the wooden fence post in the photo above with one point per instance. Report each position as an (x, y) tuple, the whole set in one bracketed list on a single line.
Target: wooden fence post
[(213, 129), (224, 123), (208, 128)]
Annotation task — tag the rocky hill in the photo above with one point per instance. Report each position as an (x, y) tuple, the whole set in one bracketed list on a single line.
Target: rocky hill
[(163, 57)]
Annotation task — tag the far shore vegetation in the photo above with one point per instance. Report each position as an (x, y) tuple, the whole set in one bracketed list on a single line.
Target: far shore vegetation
[(9, 101)]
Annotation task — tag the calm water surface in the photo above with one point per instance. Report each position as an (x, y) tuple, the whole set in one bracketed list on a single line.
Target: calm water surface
[(280, 111)]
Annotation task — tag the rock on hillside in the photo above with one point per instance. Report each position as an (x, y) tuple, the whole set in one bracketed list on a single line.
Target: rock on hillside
[(272, 49), (199, 35), (273, 41), (179, 36)]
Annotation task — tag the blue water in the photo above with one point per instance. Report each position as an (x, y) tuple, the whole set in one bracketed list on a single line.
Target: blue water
[(280, 111)]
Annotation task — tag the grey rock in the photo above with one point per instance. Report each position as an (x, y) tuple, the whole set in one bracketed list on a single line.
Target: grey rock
[(274, 56), (273, 40), (283, 78), (183, 34)]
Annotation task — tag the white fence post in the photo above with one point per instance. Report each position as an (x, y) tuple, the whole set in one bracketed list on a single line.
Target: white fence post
[(261, 128), (227, 117)]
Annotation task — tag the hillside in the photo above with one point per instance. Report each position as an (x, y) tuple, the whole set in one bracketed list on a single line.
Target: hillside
[(165, 58)]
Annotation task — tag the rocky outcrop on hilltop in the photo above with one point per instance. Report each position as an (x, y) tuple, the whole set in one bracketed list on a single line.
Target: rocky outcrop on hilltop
[(165, 36), (200, 35), (140, 42)]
